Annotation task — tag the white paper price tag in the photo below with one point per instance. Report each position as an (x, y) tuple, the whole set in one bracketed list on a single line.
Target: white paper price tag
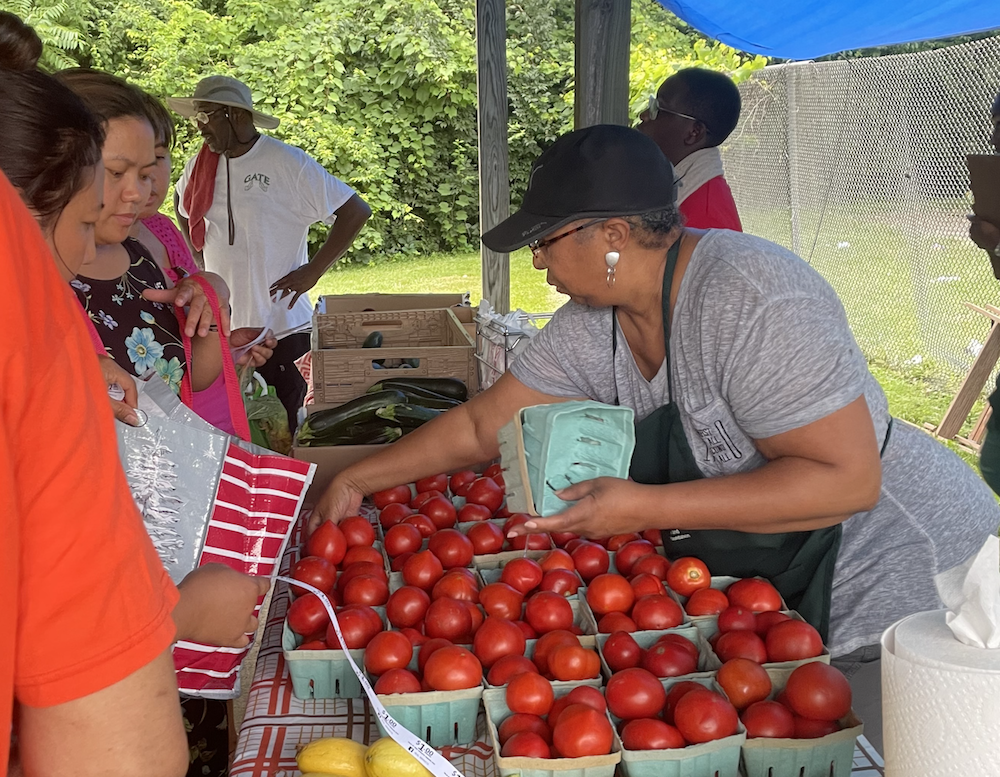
[(427, 755)]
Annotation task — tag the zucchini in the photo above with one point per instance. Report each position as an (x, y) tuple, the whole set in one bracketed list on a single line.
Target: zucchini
[(329, 423), (374, 340), (447, 387), (408, 415), (435, 403), (366, 434)]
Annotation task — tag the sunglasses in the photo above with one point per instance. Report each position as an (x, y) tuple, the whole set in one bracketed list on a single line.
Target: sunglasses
[(654, 108), (204, 117), (538, 245)]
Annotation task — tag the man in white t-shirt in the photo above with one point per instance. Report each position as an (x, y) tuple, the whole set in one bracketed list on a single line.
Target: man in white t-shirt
[(245, 204)]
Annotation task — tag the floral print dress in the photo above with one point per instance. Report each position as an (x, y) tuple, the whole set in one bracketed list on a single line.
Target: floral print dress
[(138, 334)]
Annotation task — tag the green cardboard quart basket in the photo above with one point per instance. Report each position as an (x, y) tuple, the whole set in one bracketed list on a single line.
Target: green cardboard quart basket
[(550, 447)]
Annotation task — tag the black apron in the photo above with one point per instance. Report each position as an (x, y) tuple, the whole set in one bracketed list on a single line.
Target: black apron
[(799, 564)]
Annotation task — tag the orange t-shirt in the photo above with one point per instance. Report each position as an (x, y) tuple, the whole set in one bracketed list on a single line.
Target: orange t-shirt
[(85, 600)]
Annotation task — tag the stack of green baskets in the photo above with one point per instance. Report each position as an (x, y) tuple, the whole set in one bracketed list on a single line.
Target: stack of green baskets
[(550, 447)]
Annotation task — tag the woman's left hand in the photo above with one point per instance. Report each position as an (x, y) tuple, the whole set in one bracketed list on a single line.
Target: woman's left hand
[(259, 353), (189, 293), (604, 507)]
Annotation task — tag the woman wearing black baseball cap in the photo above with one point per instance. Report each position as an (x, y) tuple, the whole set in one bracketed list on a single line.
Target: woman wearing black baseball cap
[(763, 442)]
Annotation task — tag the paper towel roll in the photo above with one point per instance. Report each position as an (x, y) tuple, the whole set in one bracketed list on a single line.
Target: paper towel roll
[(940, 702)]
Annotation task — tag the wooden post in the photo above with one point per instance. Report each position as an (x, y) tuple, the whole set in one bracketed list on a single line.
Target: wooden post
[(494, 178), (603, 37), (979, 373)]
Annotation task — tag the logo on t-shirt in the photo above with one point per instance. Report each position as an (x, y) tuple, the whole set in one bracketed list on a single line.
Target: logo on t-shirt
[(256, 178), (719, 446)]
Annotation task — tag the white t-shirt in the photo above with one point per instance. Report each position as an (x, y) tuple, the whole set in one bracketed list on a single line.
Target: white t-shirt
[(278, 191)]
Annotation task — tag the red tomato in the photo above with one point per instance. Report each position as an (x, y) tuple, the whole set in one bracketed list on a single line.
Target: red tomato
[(316, 644), (582, 731), (433, 483), (327, 542), (529, 541), (647, 585), (508, 666), (560, 538), (423, 524), (666, 660), (357, 531), (501, 601), (735, 618), (393, 514), (520, 721), (558, 706), (315, 571), (706, 601), (703, 716), (360, 569), (471, 512), (447, 618), (429, 648), (476, 615), (485, 492), (529, 633), (687, 575), (418, 501), (366, 589), (556, 559), (573, 662), (629, 553), (634, 693), (616, 621), (391, 495), (653, 564), (362, 553), (621, 651), (740, 644), (399, 561), (610, 593), (561, 581), (485, 538), (515, 520), (441, 511), (818, 691), (407, 606), (679, 641), (745, 682), (588, 696), (651, 734), (807, 728), (522, 574), (452, 547), (766, 620), (616, 541), (387, 650), (547, 611), (397, 681), (423, 570), (495, 639), (525, 744), (754, 594), (493, 471), (675, 694), (416, 638), (452, 669), (654, 536), (503, 512), (455, 586), (590, 559), (307, 615), (792, 640), (768, 719), (461, 481), (402, 538), (548, 643), (530, 693), (657, 613), (358, 625)]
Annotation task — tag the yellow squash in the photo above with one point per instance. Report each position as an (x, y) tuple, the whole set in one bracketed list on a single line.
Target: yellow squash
[(333, 757), (385, 758)]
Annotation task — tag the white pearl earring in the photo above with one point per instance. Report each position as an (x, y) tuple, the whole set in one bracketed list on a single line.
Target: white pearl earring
[(611, 259)]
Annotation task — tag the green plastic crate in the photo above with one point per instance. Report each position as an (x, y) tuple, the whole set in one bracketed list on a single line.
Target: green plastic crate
[(549, 447), (592, 766), (829, 756)]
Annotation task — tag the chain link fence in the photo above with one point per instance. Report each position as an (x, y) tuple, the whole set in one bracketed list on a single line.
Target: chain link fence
[(858, 166)]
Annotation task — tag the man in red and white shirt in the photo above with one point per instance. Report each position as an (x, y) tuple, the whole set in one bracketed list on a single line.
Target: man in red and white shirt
[(692, 113)]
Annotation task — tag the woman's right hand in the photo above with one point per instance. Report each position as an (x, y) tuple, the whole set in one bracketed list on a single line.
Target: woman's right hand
[(341, 499), (114, 375), (217, 604)]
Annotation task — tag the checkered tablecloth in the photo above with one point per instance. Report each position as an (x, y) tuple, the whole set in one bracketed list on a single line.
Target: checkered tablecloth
[(277, 724)]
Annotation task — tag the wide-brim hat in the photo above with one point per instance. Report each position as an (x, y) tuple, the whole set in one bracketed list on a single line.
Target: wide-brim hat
[(222, 90), (598, 172)]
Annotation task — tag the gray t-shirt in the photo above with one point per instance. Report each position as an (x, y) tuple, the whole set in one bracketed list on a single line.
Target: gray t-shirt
[(760, 345)]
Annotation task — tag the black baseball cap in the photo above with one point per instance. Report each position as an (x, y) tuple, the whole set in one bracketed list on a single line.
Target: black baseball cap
[(600, 171)]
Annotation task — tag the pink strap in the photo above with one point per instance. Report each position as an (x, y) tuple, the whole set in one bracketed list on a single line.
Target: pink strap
[(237, 411)]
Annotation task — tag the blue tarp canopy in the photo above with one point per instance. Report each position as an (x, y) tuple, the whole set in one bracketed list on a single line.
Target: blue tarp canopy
[(806, 29)]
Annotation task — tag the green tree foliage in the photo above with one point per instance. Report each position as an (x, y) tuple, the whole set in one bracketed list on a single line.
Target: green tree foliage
[(382, 93)]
